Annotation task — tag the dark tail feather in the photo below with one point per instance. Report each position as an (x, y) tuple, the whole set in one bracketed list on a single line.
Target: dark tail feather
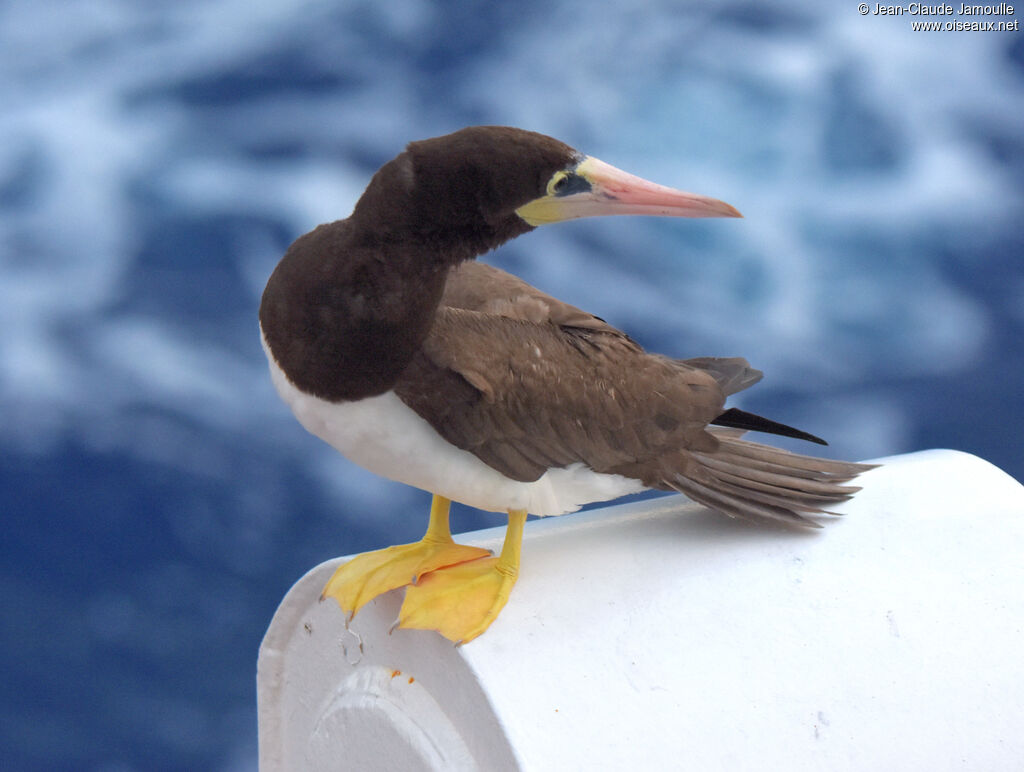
[(735, 418)]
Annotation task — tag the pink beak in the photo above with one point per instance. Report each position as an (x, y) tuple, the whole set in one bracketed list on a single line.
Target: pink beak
[(609, 190)]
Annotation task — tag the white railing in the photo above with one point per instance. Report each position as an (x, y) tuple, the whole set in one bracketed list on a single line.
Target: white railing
[(662, 636)]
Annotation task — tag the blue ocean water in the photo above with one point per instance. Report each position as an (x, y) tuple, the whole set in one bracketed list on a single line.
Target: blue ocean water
[(157, 159)]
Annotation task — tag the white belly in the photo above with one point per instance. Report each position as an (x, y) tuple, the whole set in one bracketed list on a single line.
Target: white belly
[(385, 436)]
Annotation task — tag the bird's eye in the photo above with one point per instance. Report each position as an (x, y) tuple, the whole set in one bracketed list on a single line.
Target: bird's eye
[(559, 182), (567, 183)]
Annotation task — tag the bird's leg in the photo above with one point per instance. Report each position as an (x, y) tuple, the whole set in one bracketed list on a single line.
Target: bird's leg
[(460, 602), (366, 576)]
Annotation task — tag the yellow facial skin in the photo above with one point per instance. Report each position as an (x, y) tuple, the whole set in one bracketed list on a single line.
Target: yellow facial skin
[(593, 188)]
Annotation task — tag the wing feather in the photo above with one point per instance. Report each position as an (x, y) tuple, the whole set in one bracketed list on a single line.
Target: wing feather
[(522, 396)]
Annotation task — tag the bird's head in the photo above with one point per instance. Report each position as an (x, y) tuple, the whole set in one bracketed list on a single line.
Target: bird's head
[(483, 185)]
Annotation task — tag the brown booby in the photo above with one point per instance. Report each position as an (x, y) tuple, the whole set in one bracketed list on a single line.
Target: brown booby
[(391, 345)]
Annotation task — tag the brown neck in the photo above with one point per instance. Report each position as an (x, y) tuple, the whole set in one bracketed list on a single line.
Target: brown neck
[(352, 301), (343, 314)]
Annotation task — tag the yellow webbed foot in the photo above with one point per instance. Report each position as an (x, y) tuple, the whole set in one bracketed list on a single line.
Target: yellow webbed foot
[(460, 602), (366, 576)]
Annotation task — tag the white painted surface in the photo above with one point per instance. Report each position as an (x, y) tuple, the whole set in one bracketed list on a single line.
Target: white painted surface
[(663, 636)]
